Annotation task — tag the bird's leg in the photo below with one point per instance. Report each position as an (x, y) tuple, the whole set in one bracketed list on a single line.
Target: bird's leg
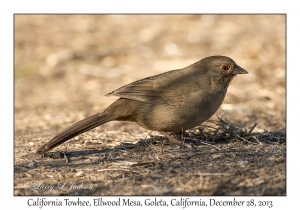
[(174, 140)]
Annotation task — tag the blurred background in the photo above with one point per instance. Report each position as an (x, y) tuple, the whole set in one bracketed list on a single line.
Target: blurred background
[(65, 64)]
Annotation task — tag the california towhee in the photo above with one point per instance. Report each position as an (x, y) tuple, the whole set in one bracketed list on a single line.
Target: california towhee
[(169, 102)]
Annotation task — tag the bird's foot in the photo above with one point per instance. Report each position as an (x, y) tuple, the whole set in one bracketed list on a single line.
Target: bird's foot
[(174, 140)]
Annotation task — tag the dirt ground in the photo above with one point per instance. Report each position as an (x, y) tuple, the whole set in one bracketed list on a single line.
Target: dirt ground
[(65, 64)]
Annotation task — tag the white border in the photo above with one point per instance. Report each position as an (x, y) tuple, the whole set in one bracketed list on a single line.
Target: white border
[(8, 8)]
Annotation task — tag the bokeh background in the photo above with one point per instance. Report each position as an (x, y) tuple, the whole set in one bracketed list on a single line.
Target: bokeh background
[(65, 64), (72, 61)]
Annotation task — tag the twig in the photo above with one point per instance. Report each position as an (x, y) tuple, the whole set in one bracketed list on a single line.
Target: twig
[(113, 169), (216, 152), (222, 115), (133, 135), (208, 126), (216, 131), (215, 147), (100, 134), (253, 127), (143, 163), (201, 131), (65, 156), (256, 139), (243, 139), (214, 174)]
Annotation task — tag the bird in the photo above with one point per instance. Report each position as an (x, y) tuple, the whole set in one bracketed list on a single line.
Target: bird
[(169, 102)]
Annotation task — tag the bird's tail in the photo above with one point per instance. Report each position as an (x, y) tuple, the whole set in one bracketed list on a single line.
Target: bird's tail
[(76, 129)]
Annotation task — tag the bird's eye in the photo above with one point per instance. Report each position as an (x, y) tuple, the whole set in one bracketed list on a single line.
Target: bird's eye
[(225, 67)]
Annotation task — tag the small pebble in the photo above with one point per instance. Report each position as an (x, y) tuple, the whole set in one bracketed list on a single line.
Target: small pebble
[(31, 165)]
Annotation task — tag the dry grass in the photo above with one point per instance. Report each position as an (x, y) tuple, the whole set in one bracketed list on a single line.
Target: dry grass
[(64, 65), (228, 161)]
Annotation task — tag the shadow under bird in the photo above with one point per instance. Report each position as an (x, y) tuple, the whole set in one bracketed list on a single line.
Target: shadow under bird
[(169, 102)]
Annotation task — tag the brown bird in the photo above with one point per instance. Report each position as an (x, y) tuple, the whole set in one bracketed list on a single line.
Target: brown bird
[(169, 102)]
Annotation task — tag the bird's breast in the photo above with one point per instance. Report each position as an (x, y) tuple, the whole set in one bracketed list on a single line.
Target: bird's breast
[(196, 109)]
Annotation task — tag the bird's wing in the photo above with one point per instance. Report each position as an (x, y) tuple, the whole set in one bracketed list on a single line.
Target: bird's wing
[(158, 89)]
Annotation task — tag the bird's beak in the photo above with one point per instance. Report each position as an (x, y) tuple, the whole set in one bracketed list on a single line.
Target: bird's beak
[(239, 70)]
